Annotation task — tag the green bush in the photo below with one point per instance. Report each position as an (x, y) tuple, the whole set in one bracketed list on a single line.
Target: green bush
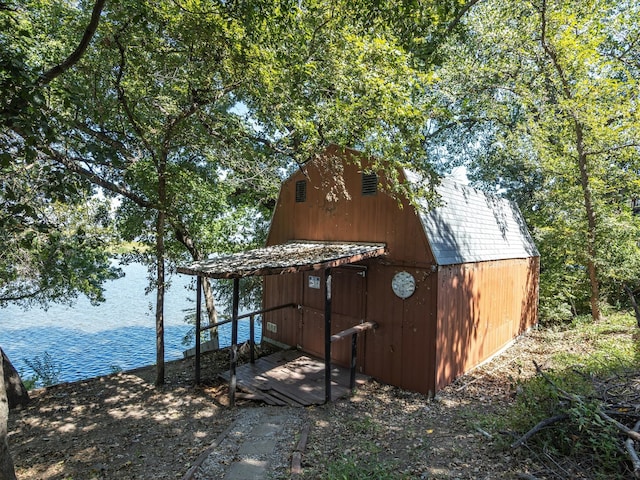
[(47, 370), (580, 386)]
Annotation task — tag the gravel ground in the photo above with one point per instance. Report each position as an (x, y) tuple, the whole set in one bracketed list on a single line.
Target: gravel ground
[(121, 427), (263, 437)]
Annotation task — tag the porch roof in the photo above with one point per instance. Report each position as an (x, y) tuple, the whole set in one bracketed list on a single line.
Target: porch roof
[(291, 257)]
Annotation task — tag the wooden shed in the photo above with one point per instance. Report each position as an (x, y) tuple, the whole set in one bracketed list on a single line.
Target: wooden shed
[(456, 285)]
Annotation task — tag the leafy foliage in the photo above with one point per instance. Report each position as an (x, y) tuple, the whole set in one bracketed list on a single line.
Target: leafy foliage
[(190, 112), (47, 370), (604, 376), (542, 101)]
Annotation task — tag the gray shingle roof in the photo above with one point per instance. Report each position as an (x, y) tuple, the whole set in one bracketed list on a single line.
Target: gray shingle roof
[(474, 226)]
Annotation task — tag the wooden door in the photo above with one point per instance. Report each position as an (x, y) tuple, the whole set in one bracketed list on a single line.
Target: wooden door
[(348, 309)]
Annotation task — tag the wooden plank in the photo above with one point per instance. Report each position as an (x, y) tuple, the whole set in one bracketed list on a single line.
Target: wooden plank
[(362, 327), (290, 378)]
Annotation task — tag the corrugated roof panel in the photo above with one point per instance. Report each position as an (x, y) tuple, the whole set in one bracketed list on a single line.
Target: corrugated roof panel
[(474, 226), (290, 257)]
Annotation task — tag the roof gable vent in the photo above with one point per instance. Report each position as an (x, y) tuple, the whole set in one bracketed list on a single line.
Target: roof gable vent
[(301, 191), (369, 183)]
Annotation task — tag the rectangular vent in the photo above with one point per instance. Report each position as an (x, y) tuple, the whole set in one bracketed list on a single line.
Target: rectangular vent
[(369, 183), (301, 191)]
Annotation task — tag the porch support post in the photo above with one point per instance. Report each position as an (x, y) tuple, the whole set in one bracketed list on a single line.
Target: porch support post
[(252, 338), (234, 341), (198, 324), (327, 335), (354, 356)]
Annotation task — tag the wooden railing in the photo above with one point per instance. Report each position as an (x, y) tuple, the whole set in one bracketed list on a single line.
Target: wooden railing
[(252, 342), (353, 331)]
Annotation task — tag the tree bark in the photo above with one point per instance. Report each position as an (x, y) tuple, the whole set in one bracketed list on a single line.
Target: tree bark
[(7, 470), (634, 303), (591, 222), (17, 394), (160, 231), (160, 301)]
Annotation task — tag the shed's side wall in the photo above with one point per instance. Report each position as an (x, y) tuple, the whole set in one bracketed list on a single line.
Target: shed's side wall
[(481, 307)]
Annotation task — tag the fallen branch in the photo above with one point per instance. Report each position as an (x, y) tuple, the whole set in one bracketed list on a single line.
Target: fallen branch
[(539, 426), (633, 454), (631, 433), (485, 433), (564, 394), (623, 428)]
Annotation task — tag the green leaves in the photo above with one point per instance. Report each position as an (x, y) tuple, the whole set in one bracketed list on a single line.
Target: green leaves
[(541, 98)]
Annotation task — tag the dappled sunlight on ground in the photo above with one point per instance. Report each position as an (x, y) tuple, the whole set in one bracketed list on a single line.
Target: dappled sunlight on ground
[(118, 426)]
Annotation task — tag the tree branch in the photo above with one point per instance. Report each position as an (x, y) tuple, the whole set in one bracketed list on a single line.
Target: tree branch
[(105, 138), (612, 149), (76, 55), (633, 455), (539, 426), (125, 103), (94, 178), (463, 11)]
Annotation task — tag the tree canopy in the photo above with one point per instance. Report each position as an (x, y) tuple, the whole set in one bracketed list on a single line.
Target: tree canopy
[(542, 100), (191, 112)]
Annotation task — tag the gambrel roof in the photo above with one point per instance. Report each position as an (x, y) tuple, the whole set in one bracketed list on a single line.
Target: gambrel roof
[(470, 225)]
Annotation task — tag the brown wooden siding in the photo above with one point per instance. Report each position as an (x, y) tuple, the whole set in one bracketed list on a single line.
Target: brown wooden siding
[(336, 210), (458, 316), (329, 215), (402, 350), (481, 307), (281, 290)]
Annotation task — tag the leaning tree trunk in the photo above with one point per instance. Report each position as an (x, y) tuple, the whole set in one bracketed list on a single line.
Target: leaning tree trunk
[(7, 470), (209, 299)]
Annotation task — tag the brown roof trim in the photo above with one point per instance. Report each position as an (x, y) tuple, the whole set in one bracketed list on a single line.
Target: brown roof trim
[(290, 257)]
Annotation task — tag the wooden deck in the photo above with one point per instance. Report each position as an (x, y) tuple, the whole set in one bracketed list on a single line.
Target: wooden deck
[(291, 378)]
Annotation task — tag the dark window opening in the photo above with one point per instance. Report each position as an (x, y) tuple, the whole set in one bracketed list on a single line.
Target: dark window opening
[(301, 191), (369, 183)]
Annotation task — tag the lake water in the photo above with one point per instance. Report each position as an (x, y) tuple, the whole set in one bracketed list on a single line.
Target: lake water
[(86, 341)]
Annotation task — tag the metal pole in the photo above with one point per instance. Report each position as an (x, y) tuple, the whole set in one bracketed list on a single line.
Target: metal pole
[(198, 325), (234, 342), (252, 336), (327, 335), (354, 353)]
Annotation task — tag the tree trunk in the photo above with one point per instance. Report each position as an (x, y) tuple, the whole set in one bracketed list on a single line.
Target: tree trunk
[(17, 394), (582, 166), (634, 303), (7, 471), (591, 222), (209, 299), (160, 303), (160, 227)]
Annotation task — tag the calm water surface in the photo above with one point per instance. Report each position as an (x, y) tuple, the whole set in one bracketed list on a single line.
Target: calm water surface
[(86, 341)]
